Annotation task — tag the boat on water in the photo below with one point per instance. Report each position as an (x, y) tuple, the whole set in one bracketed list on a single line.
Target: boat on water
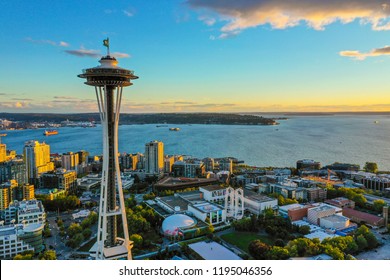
[(376, 122), (174, 129), (50, 132), (162, 125)]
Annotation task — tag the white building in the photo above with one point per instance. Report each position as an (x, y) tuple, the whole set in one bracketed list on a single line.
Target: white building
[(16, 239), (214, 193), (334, 222), (81, 214), (322, 210), (27, 212), (154, 157), (257, 203), (206, 210)]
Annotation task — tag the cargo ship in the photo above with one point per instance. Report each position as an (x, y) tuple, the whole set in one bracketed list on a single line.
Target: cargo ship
[(50, 132), (174, 129)]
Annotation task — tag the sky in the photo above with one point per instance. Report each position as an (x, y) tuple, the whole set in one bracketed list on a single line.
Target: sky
[(199, 55)]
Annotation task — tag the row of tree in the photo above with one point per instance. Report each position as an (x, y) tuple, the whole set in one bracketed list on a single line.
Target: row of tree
[(339, 248), (61, 203), (78, 232)]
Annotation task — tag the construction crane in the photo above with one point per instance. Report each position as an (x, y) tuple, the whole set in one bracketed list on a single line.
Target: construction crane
[(2, 135), (330, 172)]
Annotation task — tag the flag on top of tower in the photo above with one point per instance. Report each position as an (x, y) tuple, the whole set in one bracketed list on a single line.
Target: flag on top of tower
[(106, 43)]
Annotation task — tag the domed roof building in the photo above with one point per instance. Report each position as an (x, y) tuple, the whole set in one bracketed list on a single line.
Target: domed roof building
[(173, 224)]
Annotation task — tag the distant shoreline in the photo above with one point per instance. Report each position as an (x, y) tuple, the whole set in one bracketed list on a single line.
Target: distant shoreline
[(160, 118)]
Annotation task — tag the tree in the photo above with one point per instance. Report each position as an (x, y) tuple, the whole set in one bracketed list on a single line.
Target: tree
[(78, 239), (304, 230), (74, 229), (137, 239), (87, 233), (278, 253), (378, 205), (26, 255), (131, 202), (361, 242), (258, 249), (60, 223), (48, 255), (371, 167), (86, 223), (334, 252), (372, 242), (359, 199), (362, 230)]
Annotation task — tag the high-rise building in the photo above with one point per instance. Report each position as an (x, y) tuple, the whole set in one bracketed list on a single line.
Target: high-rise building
[(37, 159), (11, 191), (168, 162), (60, 179), (154, 157), (3, 150), (3, 153), (226, 164), (128, 161), (4, 197), (191, 169), (13, 170), (109, 80), (209, 164), (83, 157), (70, 160)]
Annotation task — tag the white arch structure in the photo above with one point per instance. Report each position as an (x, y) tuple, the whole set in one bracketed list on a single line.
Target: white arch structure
[(234, 203)]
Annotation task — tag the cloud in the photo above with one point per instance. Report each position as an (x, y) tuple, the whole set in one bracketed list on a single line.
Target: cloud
[(280, 14), (82, 52), (63, 44), (108, 11), (120, 55), (22, 99), (2, 93), (48, 42), (65, 97), (207, 20), (362, 56), (178, 103), (129, 12)]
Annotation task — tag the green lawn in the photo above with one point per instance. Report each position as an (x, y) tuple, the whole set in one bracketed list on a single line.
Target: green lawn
[(242, 239)]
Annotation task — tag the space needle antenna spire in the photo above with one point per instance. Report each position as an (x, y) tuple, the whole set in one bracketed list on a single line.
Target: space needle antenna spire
[(106, 43)]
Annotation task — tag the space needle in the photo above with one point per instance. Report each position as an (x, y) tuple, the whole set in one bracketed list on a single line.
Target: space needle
[(109, 80)]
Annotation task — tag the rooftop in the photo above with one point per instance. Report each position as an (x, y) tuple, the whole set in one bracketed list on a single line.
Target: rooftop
[(213, 188), (318, 207), (321, 235), (207, 207), (292, 207), (335, 218), (173, 201), (256, 197), (369, 218), (213, 251)]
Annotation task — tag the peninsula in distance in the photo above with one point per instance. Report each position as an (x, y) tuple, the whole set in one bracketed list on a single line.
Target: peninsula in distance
[(159, 118)]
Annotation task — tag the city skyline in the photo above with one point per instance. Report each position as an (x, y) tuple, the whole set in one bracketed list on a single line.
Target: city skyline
[(199, 56)]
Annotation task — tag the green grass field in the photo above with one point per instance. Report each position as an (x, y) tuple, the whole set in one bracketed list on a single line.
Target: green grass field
[(242, 239)]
